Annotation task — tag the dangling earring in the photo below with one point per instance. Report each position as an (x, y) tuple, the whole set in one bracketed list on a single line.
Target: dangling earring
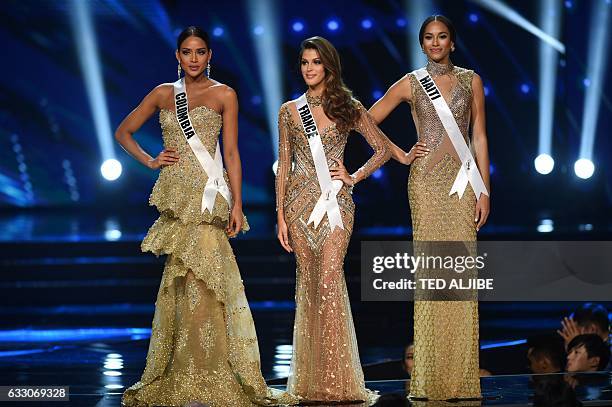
[(208, 70), (178, 71), (452, 49)]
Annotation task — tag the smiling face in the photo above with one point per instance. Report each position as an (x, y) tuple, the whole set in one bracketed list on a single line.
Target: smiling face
[(437, 43), (312, 68), (193, 56)]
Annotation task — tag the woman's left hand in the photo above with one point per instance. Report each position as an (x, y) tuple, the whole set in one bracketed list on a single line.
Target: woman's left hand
[(341, 173), (234, 224), (482, 211)]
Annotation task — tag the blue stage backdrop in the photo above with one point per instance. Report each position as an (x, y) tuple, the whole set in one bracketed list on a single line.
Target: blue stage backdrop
[(73, 69)]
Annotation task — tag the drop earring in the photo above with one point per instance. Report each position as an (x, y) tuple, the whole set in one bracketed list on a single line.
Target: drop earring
[(178, 71), (208, 70)]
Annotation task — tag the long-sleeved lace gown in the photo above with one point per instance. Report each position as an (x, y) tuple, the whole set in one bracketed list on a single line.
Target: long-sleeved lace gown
[(203, 343), (325, 364), (445, 332)]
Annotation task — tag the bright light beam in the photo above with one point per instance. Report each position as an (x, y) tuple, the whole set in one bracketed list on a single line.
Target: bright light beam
[(417, 13), (550, 21), (599, 38), (87, 49), (509, 14), (265, 35)]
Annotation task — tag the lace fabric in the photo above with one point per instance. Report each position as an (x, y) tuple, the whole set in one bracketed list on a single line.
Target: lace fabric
[(325, 365)]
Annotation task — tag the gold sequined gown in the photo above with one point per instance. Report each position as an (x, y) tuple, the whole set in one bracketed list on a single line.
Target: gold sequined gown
[(445, 332), (203, 343), (325, 363)]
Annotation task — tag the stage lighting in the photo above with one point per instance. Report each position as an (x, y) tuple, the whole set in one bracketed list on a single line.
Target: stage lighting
[(378, 174), (297, 26), (502, 10), (569, 4), (400, 22), (266, 43), (544, 164), (366, 23), (256, 100), (586, 82), (377, 94), (596, 69), (84, 35), (525, 88), (333, 25), (217, 31), (473, 17), (546, 226), (486, 90), (111, 169), (416, 11), (113, 386), (584, 168)]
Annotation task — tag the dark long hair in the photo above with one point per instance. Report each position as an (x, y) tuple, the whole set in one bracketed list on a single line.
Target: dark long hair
[(192, 31), (444, 20), (337, 98)]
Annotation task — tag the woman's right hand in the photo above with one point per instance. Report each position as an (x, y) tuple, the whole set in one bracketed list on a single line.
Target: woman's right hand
[(419, 149), (283, 234), (168, 156)]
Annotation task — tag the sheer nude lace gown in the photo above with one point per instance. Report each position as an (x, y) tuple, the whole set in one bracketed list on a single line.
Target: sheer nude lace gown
[(445, 332), (325, 363), (203, 343)]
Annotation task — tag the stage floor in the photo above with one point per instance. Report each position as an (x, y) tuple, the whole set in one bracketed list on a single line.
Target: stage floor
[(77, 305)]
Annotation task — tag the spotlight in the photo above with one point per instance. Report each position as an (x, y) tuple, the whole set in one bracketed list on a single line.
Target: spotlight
[(473, 17), (377, 94), (297, 26), (111, 169), (584, 168), (525, 88), (366, 23), (568, 4), (378, 174), (258, 30), (586, 82), (217, 31), (486, 90), (546, 226), (544, 164), (333, 25), (400, 22), (256, 100)]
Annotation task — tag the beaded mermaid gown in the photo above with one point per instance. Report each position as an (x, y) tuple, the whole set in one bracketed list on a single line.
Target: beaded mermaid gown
[(325, 365), (445, 332), (203, 343)]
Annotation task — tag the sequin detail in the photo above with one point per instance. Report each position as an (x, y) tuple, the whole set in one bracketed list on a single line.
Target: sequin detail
[(203, 343), (180, 186), (436, 216), (325, 365), (437, 69)]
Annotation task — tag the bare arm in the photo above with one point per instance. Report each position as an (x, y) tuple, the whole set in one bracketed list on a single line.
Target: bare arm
[(481, 149), (132, 123), (231, 155), (399, 92)]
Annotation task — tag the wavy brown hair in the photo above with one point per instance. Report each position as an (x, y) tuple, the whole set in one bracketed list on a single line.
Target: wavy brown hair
[(337, 99)]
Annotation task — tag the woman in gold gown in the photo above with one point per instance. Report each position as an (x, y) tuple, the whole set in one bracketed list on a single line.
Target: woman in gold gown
[(325, 364), (445, 332), (203, 344)]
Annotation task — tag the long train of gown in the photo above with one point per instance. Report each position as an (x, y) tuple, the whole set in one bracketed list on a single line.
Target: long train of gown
[(203, 343), (325, 363), (445, 332)]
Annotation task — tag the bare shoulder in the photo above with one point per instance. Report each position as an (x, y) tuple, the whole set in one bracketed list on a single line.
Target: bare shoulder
[(476, 79), (223, 91)]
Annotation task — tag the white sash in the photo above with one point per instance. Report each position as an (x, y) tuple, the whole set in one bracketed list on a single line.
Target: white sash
[(327, 202), (212, 167), (468, 171)]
